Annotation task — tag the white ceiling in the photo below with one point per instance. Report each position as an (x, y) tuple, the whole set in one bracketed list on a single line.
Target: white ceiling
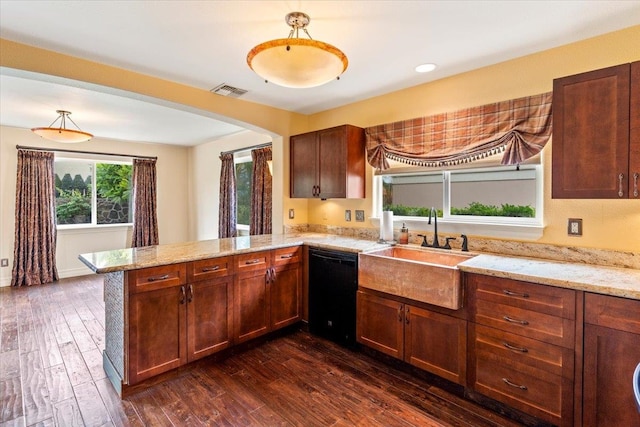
[(205, 43)]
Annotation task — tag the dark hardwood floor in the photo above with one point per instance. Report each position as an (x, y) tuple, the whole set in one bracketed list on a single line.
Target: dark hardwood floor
[(51, 374)]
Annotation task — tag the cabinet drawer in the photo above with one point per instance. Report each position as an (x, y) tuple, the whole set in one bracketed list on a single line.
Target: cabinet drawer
[(530, 296), (613, 312), (520, 352), (149, 279), (535, 392), (284, 256), (209, 268), (252, 261), (532, 324)]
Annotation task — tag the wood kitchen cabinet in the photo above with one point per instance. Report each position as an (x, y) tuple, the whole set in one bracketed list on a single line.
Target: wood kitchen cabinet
[(427, 339), (328, 163), (521, 345), (268, 291), (596, 134), (611, 353), (157, 321)]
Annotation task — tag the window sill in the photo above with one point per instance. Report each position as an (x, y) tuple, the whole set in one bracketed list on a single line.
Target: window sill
[(90, 228), (477, 228)]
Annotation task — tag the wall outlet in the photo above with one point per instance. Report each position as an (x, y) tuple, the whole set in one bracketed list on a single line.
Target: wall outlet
[(574, 227), (292, 214), (4, 262), (359, 216)]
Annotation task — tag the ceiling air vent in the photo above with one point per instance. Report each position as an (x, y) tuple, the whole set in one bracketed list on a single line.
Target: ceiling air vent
[(226, 90)]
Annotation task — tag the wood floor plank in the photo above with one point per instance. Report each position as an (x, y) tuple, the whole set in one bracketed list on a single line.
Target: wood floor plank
[(11, 400), (148, 409), (121, 412), (35, 394), (58, 383), (93, 410), (74, 364)]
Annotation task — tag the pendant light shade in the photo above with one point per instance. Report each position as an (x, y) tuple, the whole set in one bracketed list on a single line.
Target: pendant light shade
[(61, 133), (297, 63)]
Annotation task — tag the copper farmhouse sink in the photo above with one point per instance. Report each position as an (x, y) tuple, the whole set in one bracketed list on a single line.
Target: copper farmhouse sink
[(421, 275)]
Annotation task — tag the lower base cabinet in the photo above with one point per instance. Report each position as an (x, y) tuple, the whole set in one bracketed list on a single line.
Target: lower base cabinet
[(426, 339), (611, 353)]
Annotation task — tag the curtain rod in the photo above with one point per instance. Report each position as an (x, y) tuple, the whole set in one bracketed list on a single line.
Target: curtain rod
[(253, 147), (62, 150)]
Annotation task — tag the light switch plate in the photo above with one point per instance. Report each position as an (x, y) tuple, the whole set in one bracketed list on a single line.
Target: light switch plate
[(292, 214), (574, 227)]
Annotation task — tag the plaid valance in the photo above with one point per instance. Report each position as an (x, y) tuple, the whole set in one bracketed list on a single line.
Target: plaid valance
[(518, 127)]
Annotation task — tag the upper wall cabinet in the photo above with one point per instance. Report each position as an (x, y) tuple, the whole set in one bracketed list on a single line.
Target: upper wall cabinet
[(596, 134), (328, 163)]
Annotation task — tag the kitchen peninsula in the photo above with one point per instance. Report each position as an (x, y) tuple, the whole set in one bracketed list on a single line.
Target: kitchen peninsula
[(159, 316)]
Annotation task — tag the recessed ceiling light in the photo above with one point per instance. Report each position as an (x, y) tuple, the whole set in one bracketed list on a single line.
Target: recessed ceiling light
[(425, 68)]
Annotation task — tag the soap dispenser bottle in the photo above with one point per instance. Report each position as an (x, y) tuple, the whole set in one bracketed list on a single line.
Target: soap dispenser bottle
[(404, 235)]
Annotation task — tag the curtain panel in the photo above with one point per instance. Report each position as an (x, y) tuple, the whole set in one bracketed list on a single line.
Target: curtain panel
[(518, 127), (34, 253), (145, 221), (261, 192), (227, 216)]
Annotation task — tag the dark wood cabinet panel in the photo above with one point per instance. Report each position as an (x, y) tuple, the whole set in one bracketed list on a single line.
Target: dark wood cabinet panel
[(634, 133), (591, 134), (436, 343), (251, 305), (157, 339), (611, 353), (286, 296), (329, 163), (209, 317), (380, 324)]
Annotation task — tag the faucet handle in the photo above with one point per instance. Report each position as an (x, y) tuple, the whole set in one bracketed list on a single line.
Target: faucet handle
[(424, 240), (465, 246), (447, 245)]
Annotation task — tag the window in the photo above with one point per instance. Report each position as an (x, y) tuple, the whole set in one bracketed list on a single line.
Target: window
[(92, 193), (500, 196), (244, 176)]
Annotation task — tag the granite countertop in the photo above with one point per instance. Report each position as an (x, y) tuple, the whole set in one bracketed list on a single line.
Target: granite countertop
[(153, 256), (623, 282)]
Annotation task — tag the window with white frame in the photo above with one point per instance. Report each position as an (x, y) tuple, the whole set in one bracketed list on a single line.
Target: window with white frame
[(500, 196), (244, 174), (92, 193)]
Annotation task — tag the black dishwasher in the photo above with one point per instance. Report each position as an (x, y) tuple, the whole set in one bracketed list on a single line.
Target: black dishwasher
[(333, 283)]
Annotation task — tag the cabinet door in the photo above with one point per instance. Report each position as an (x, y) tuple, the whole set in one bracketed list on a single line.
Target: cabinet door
[(157, 332), (436, 343), (209, 316), (634, 136), (286, 296), (332, 158), (380, 324), (251, 304), (610, 357), (303, 161), (591, 134)]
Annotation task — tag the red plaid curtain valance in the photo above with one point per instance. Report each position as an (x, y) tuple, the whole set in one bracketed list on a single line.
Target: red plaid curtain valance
[(518, 127)]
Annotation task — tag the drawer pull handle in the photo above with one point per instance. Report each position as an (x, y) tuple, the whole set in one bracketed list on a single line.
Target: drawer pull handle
[(182, 295), (620, 190), (513, 347), (515, 294), (407, 315), (400, 313), (208, 269), (509, 383), (190, 297), (519, 322), (252, 261), (154, 279), (286, 256)]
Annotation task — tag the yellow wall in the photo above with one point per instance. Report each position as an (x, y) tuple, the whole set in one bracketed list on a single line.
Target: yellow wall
[(608, 224)]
